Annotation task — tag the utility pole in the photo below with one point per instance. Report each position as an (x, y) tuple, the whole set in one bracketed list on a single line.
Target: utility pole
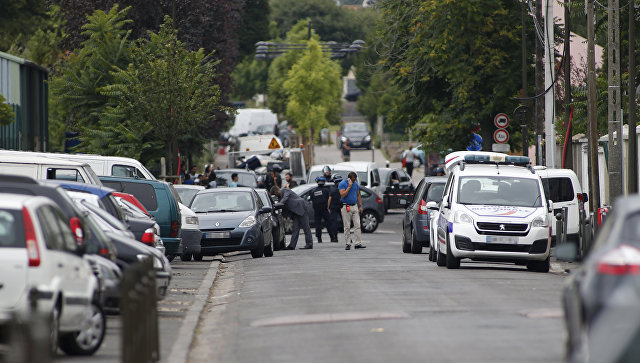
[(539, 105), (549, 97), (525, 120), (594, 183), (567, 84), (632, 159), (615, 108)]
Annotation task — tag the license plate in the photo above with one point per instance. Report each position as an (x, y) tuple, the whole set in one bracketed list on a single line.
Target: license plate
[(355, 143), (507, 240), (216, 235)]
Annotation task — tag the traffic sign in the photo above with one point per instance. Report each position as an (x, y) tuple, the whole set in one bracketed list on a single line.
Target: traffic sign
[(274, 144), (501, 136), (501, 120), (475, 143)]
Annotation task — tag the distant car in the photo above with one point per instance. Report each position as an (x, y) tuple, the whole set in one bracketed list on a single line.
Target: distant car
[(316, 171), (233, 219), (277, 218), (601, 298), (416, 224), (358, 134), (370, 218), (397, 188), (187, 192), (246, 178)]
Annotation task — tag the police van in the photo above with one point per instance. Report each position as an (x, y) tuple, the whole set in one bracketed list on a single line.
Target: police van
[(493, 209)]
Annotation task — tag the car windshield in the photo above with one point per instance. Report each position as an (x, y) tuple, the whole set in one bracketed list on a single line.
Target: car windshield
[(498, 190), (355, 127), (223, 178), (316, 173), (435, 193), (186, 194), (222, 202)]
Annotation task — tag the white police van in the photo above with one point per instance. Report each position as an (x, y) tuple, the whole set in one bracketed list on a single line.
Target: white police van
[(493, 209)]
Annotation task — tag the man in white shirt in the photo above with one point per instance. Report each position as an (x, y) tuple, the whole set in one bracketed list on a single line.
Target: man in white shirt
[(410, 158)]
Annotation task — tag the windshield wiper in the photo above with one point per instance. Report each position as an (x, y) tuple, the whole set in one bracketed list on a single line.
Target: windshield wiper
[(535, 201)]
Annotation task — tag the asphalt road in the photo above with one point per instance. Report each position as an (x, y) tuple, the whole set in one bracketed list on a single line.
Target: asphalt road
[(377, 305)]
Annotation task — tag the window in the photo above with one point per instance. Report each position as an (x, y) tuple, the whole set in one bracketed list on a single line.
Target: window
[(503, 191), (419, 190), (66, 236), (558, 189), (50, 228), (64, 174), (11, 228), (404, 177), (223, 202), (127, 171), (145, 193), (223, 178), (364, 194), (264, 198), (434, 193)]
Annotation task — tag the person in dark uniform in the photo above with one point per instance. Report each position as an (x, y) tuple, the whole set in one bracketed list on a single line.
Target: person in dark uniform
[(320, 201), (334, 206), (296, 207), (326, 170), (273, 177)]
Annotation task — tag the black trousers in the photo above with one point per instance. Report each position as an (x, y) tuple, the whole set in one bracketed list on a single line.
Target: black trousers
[(318, 215), (300, 221), (332, 226), (409, 167)]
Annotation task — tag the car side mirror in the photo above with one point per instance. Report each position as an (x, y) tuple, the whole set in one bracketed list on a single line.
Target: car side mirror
[(585, 197), (432, 205), (374, 184), (364, 183), (550, 204), (265, 210)]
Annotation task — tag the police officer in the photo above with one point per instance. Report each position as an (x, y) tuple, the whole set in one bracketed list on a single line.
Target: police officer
[(334, 206), (326, 170), (320, 200)]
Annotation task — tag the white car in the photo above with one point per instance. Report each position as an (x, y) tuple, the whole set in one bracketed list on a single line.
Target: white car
[(40, 253), (494, 209), (191, 234)]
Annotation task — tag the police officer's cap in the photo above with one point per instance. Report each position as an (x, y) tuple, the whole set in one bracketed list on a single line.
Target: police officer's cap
[(321, 180), (336, 178)]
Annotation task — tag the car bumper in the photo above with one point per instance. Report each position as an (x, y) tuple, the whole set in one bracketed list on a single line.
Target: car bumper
[(421, 229), (172, 246), (239, 239), (191, 240), (466, 242), (362, 144)]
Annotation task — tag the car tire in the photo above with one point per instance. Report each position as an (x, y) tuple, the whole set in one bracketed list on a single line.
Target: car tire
[(432, 254), (441, 258), (268, 250), (416, 246), (54, 332), (406, 248), (369, 221), (258, 251), (197, 256), (539, 266), (452, 262), (186, 257), (88, 340)]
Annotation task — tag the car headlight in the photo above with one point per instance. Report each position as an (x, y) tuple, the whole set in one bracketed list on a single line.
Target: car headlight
[(157, 264), (248, 222), (192, 220), (540, 221), (343, 139), (367, 138), (462, 217)]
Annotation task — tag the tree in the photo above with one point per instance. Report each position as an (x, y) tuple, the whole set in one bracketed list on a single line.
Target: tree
[(43, 47), (19, 17), (314, 88), (7, 115), (255, 26)]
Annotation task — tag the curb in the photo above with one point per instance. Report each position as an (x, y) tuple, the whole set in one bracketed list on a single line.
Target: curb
[(182, 345)]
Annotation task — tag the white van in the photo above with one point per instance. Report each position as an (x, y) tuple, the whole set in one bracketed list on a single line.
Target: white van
[(102, 165), (368, 174), (39, 167), (249, 119)]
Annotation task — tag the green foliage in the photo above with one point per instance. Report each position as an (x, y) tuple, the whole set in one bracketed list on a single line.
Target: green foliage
[(43, 47), (19, 17), (453, 62), (314, 90), (7, 115), (255, 26), (250, 77)]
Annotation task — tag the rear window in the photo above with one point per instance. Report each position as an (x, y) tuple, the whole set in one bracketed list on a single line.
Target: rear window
[(11, 228), (434, 193), (64, 174), (145, 193), (558, 189), (127, 171), (244, 179)]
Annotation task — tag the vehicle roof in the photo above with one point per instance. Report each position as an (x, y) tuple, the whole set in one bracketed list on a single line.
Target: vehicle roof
[(188, 186), (332, 166), (358, 165), (66, 155), (493, 170), (83, 187), (435, 179), (551, 172), (227, 190), (135, 180), (243, 171), (36, 159)]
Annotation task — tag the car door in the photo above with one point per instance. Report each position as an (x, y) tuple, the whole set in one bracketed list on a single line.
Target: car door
[(410, 212), (265, 220), (445, 210), (405, 189)]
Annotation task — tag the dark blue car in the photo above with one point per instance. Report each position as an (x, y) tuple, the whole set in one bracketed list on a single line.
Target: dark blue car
[(416, 221)]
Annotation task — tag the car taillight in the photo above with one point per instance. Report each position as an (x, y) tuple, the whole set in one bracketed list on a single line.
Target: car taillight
[(33, 253), (149, 236), (580, 197), (175, 226), (76, 228), (624, 260), (104, 253), (378, 200), (422, 207)]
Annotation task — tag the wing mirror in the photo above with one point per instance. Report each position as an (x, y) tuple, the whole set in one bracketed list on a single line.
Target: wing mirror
[(374, 184), (364, 183), (550, 204), (432, 205), (265, 210)]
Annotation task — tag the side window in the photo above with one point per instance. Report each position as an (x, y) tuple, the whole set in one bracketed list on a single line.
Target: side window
[(66, 236), (434, 194), (419, 190), (123, 171), (404, 177), (64, 174), (258, 201), (50, 228), (364, 194), (145, 193), (558, 189), (376, 176)]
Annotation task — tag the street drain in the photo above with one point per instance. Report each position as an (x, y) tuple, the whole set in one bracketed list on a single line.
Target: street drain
[(329, 318)]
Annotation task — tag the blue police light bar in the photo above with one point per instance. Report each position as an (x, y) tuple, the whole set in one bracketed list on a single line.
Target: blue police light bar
[(497, 159)]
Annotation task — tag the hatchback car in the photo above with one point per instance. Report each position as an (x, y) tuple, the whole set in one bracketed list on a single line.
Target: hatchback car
[(397, 188), (416, 224), (370, 218), (233, 220), (357, 133)]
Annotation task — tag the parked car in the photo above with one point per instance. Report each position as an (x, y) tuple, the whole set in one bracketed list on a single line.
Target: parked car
[(161, 200), (187, 192), (39, 167), (358, 134), (233, 220), (131, 199), (416, 224), (246, 178), (316, 171), (191, 235), (601, 297), (277, 220), (370, 218), (368, 174), (109, 276), (397, 188), (36, 241)]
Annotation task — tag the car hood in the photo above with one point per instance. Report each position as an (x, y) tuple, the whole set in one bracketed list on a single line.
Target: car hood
[(356, 135), (223, 219), (501, 211)]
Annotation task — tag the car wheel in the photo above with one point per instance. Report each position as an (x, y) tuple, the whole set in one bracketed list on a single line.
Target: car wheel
[(258, 251), (369, 221), (171, 257), (197, 256), (268, 250), (539, 266), (54, 329), (416, 246), (406, 248), (432, 254), (88, 340), (185, 257), (441, 258), (288, 224), (452, 262)]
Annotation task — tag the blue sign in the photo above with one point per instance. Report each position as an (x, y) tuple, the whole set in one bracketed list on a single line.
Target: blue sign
[(475, 143)]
